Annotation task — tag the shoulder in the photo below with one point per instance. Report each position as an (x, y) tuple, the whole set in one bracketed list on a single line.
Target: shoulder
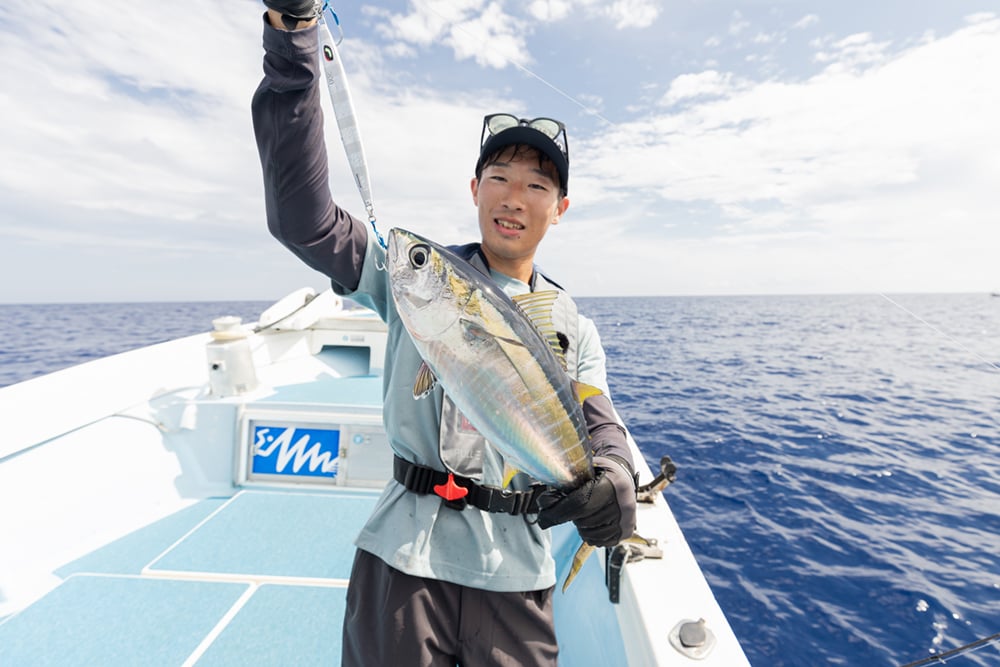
[(466, 251), (548, 279), (589, 335)]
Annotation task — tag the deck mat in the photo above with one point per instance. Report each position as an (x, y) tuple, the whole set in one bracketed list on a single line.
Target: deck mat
[(262, 534), (108, 620), (131, 553), (280, 626)]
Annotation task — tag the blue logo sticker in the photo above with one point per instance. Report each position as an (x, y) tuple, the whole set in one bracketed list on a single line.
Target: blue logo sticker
[(289, 450)]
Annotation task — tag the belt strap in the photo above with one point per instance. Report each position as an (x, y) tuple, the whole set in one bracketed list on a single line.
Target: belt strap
[(458, 491)]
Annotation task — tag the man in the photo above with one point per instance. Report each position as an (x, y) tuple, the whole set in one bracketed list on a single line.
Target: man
[(436, 582)]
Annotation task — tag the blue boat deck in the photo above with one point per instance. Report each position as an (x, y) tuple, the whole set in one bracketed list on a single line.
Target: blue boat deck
[(254, 579), (259, 578)]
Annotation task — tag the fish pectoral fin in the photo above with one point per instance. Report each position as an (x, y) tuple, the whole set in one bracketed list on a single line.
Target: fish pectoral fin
[(584, 391), (636, 538), (424, 382), (581, 556), (474, 329)]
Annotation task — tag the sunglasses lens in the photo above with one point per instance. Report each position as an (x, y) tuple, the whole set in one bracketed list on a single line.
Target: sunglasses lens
[(500, 122), (546, 126)]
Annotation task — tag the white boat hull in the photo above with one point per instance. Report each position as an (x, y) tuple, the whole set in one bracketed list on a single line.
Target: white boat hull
[(147, 527)]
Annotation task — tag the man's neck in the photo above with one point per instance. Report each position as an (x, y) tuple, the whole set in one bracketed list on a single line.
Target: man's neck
[(518, 269)]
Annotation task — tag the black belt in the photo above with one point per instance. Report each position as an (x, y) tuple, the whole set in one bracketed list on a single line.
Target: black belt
[(457, 492)]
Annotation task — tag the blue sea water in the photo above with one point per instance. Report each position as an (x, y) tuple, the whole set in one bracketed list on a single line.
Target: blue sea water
[(839, 456)]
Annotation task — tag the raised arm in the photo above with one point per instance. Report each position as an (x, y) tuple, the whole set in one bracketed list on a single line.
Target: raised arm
[(288, 124)]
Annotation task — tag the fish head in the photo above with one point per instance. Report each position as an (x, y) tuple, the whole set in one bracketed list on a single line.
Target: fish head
[(422, 278)]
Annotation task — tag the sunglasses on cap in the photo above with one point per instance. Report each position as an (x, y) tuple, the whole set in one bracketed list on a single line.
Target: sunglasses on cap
[(496, 123)]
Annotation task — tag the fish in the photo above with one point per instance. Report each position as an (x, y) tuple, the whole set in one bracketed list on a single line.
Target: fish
[(501, 370), (491, 360)]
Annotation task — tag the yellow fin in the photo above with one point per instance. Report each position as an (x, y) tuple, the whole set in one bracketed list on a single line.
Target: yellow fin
[(424, 382), (509, 472), (581, 556), (537, 306), (584, 391), (583, 553)]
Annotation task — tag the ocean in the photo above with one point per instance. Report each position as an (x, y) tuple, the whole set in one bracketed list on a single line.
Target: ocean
[(838, 456)]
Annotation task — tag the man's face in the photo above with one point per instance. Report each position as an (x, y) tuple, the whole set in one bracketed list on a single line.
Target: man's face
[(517, 201)]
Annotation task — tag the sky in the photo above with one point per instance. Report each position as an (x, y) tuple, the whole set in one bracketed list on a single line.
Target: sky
[(715, 147)]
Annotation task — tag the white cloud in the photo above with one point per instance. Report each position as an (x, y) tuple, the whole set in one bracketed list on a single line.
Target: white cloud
[(767, 38), (99, 119), (709, 83), (473, 29), (429, 20), (493, 34), (633, 13), (127, 138), (806, 21), (882, 157), (853, 52), (737, 24), (549, 10), (492, 39)]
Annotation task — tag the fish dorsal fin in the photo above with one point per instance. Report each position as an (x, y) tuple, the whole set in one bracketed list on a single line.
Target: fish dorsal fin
[(537, 306), (425, 381), (584, 391)]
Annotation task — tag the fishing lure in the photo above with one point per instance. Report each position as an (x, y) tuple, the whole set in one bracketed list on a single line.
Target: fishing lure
[(343, 109)]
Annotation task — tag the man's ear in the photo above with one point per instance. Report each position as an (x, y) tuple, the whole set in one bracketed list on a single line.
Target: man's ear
[(560, 209), (474, 186)]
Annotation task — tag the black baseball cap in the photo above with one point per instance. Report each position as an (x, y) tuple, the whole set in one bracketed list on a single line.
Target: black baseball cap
[(546, 135)]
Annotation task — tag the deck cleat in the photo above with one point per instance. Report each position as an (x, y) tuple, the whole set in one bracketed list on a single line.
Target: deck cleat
[(632, 550), (693, 638)]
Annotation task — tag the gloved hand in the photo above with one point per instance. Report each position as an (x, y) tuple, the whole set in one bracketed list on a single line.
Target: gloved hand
[(603, 508), (293, 11)]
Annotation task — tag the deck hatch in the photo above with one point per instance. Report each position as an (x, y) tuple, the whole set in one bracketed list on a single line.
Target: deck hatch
[(304, 537)]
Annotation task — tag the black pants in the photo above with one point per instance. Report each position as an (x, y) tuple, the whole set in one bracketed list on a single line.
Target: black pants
[(393, 618)]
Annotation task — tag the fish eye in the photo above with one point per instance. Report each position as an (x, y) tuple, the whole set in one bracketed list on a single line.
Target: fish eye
[(420, 254)]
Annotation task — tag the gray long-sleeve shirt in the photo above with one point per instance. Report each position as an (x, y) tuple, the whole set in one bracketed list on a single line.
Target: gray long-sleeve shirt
[(413, 533)]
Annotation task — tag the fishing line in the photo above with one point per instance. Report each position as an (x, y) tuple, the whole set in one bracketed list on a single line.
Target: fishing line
[(350, 136), (967, 648), (954, 340), (480, 39), (343, 105)]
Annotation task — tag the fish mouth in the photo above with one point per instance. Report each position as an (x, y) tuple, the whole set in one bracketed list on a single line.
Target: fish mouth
[(396, 240)]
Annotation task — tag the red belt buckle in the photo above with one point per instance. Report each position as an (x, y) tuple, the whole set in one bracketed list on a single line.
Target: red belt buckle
[(453, 494)]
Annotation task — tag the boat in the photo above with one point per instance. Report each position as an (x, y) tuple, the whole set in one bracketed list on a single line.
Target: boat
[(195, 502)]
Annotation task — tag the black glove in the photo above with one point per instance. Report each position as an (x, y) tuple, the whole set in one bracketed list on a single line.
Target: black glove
[(603, 508), (293, 11)]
